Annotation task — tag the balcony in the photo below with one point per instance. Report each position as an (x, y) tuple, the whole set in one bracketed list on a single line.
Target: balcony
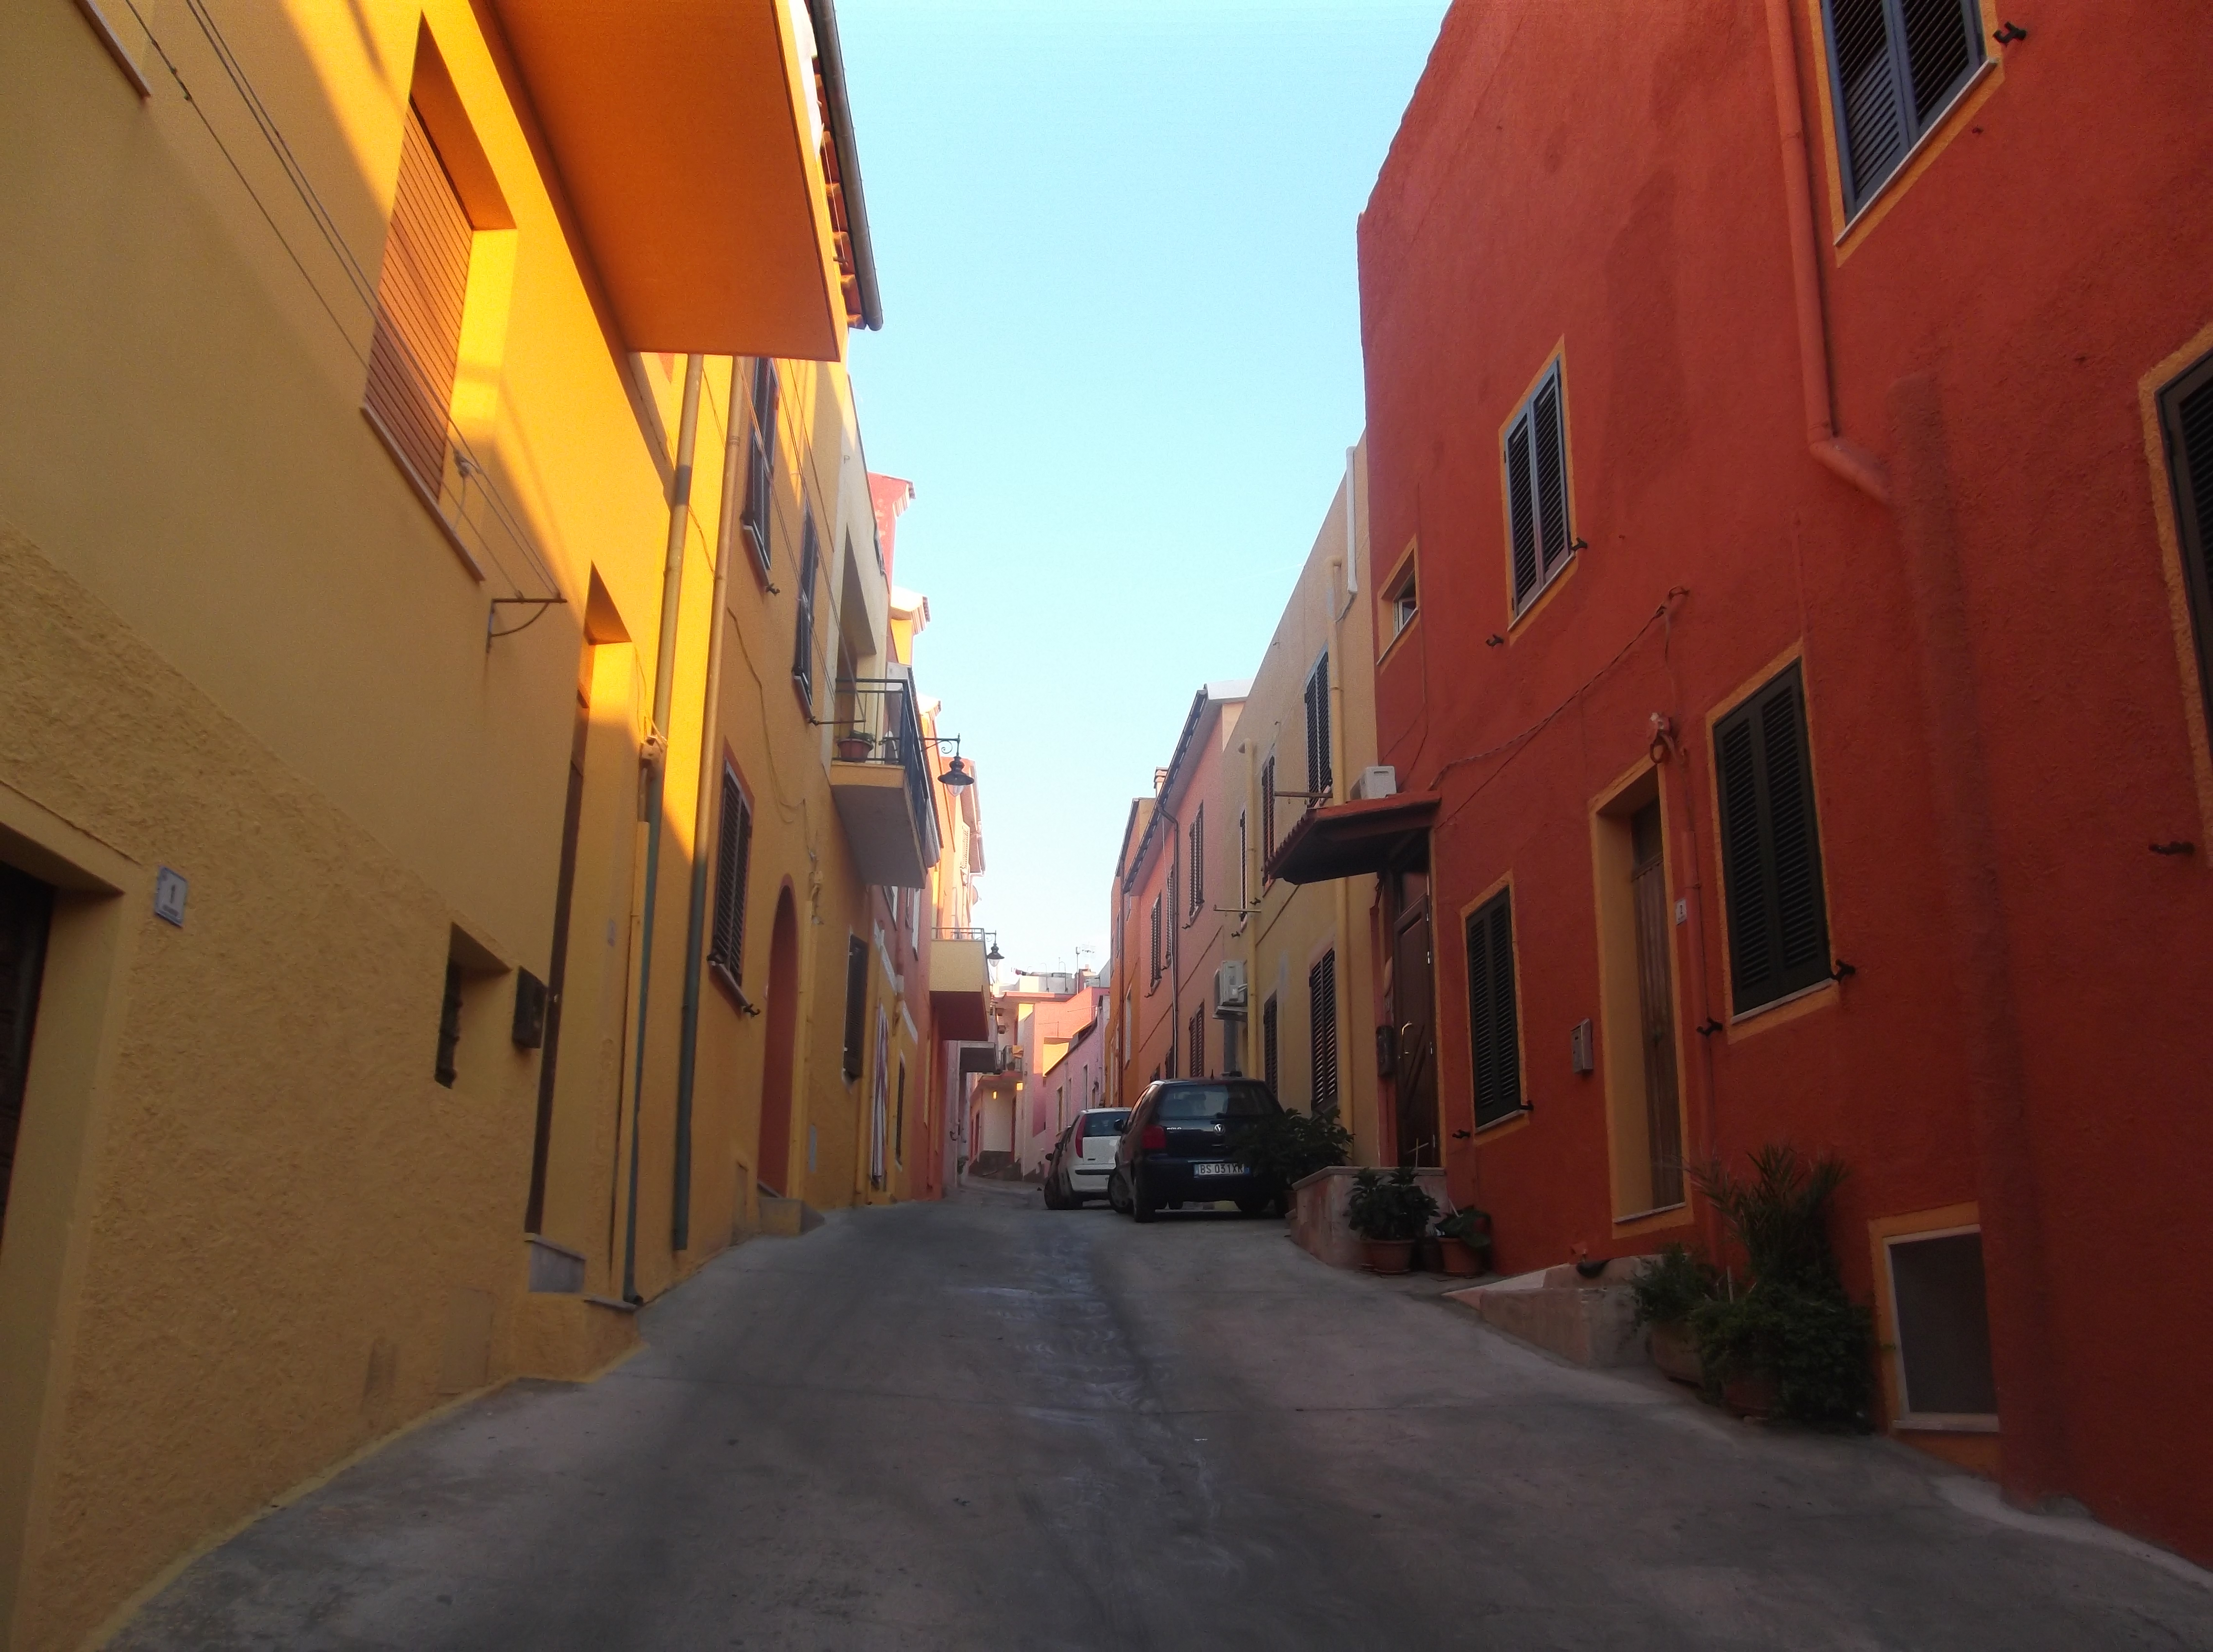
[(880, 779), (960, 984)]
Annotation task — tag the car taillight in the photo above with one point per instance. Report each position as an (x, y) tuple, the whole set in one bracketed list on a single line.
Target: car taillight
[(1155, 1138)]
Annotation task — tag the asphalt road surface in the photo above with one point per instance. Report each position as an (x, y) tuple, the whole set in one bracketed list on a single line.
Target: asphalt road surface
[(987, 1425)]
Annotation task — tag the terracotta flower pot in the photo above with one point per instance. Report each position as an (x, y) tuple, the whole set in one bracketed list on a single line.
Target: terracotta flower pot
[(1749, 1396), (854, 748), (1675, 1354), (1427, 1255), (1461, 1260), (1389, 1255)]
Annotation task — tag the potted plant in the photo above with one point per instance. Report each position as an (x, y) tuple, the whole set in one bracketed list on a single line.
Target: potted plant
[(854, 747), (1284, 1148), (1463, 1238), (1669, 1291), (1389, 1216)]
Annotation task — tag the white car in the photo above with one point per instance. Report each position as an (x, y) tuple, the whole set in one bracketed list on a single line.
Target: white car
[(1083, 1158)]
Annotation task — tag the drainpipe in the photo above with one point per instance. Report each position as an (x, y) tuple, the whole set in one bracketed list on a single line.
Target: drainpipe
[(1848, 460), (1339, 761), (657, 770), (703, 818)]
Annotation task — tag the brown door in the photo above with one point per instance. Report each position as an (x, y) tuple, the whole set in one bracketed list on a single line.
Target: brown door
[(556, 968), (1413, 996), (1657, 1008), (774, 1171), (26, 907)]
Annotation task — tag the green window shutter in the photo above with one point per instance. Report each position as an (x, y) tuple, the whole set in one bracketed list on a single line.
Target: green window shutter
[(1494, 1025), (2186, 417), (1778, 926), (1895, 66), (1321, 1022), (1537, 489), (733, 850), (1320, 776), (1522, 508), (803, 646), (856, 1003)]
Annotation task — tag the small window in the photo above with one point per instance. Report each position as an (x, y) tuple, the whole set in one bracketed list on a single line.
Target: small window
[(802, 644), (1321, 1031), (1894, 67), (1943, 1326), (1537, 489), (1778, 927), (1270, 1060), (760, 458), (449, 1026), (1197, 839), (1155, 978), (1197, 1045), (1319, 778), (857, 1003), (2185, 410), (1493, 1023), (1403, 601), (733, 838)]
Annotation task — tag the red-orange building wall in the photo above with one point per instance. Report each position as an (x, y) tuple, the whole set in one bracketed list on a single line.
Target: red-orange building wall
[(2002, 722)]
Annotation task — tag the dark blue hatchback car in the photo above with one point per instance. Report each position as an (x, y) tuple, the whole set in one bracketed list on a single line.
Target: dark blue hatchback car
[(1180, 1147)]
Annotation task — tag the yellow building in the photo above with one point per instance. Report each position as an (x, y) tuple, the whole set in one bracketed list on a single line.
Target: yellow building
[(425, 459)]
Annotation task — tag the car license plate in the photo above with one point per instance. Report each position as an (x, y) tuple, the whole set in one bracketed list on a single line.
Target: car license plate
[(1218, 1169)]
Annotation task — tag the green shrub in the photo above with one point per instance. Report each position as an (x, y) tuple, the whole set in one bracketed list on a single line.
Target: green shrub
[(1462, 1225), (1400, 1207), (1286, 1148), (1779, 1213), (1674, 1287), (1812, 1344)]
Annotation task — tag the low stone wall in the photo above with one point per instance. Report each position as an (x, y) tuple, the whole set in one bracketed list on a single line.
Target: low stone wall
[(1318, 1217), (1590, 1321)]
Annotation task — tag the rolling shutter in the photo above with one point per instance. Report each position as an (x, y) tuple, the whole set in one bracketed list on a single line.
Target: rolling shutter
[(733, 851), (420, 291), (1895, 66), (1494, 1027), (1321, 1031), (1537, 489), (1770, 847), (2186, 415)]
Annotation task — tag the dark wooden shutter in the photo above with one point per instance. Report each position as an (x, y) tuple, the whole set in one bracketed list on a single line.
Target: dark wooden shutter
[(1494, 1027), (27, 908), (760, 458), (1521, 508), (1155, 918), (1770, 847), (2186, 416), (802, 643), (856, 1001), (420, 292), (1199, 858), (1537, 489), (1319, 778), (450, 1027), (733, 838), (1894, 66), (1321, 1030), (1198, 1044), (1267, 812), (1271, 1067)]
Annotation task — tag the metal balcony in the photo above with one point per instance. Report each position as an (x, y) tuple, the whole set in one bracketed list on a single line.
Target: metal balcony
[(879, 777)]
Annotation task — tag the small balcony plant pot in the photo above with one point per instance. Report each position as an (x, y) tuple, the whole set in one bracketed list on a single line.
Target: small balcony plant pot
[(1389, 1255), (1460, 1259), (854, 748), (1676, 1355)]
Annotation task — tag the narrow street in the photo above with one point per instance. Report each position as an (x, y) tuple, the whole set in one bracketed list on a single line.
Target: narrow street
[(981, 1424)]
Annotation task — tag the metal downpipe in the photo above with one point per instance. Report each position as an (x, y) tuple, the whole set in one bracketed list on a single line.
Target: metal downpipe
[(656, 758)]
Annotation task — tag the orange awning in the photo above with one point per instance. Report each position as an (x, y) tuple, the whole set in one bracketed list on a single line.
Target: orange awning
[(681, 133), (1348, 840)]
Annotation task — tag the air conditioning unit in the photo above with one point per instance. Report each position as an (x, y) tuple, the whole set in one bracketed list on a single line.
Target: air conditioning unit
[(1230, 992), (1381, 781)]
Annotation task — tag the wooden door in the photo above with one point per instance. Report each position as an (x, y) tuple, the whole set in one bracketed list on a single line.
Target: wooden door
[(27, 908), (1413, 996), (1656, 994)]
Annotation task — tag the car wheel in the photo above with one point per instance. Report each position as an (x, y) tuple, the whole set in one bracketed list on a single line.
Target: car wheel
[(1118, 1199), (1052, 1199), (1141, 1200)]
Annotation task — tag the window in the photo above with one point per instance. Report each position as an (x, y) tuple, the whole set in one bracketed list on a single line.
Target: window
[(2185, 411), (1197, 837), (1319, 778), (1403, 604), (1943, 1324), (802, 645), (857, 1003), (1271, 1068), (1321, 1031), (1778, 929), (1494, 1027), (1244, 866), (1267, 812), (1156, 979), (1895, 66), (449, 1026), (1537, 489), (760, 458), (734, 841), (420, 291)]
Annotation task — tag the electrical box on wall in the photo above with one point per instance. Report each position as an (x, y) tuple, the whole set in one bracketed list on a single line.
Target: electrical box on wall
[(1580, 1047)]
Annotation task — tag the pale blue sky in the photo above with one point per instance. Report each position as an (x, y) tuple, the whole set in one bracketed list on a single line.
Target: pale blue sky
[(1120, 363)]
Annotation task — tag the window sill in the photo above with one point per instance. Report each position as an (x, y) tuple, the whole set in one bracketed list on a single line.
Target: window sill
[(1941, 1422), (1543, 593), (1800, 1002), (1397, 637), (1520, 1115), (728, 982), (99, 24), (1934, 132), (428, 499)]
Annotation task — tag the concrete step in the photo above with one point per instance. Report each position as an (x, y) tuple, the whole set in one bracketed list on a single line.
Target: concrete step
[(782, 1218), (1586, 1320)]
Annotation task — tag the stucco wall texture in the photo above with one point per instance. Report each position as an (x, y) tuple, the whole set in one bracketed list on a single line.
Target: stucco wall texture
[(2000, 719)]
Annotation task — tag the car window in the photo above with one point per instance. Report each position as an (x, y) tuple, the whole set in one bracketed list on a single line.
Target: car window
[(1186, 1102), (1094, 1124)]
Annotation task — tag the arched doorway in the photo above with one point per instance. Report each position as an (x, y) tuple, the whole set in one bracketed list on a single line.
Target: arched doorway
[(775, 1167)]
